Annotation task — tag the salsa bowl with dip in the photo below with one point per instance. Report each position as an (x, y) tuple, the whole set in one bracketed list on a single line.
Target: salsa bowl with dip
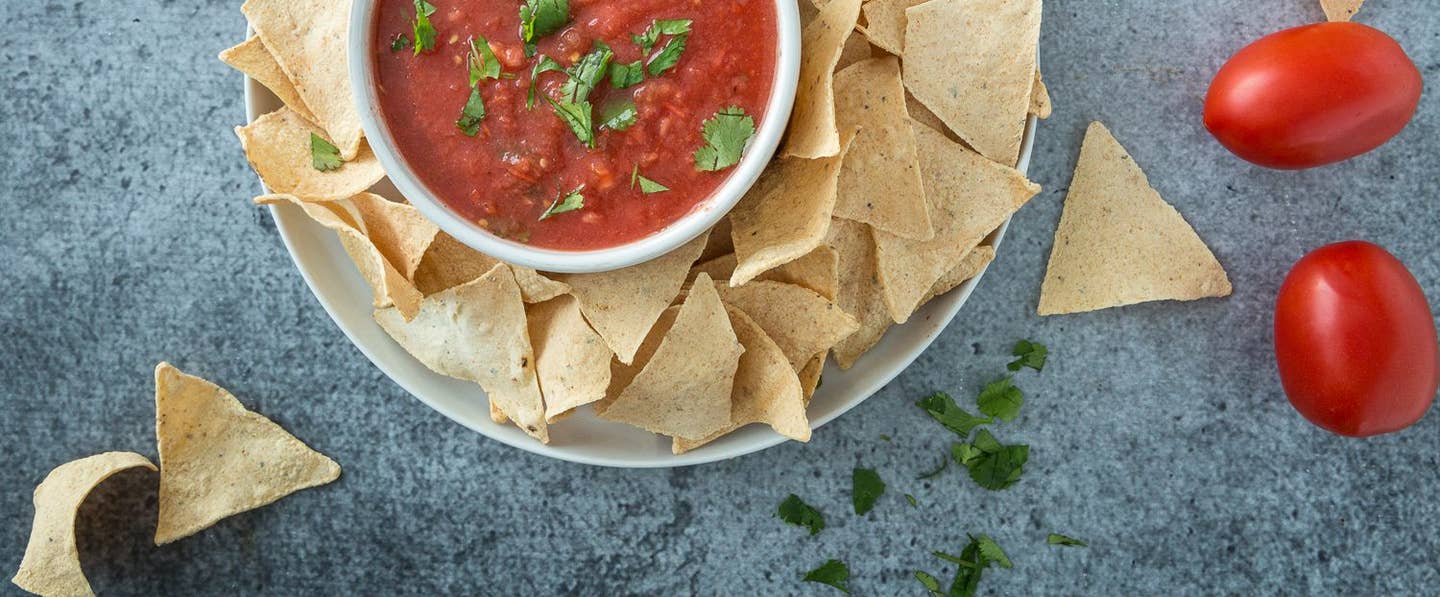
[(574, 145)]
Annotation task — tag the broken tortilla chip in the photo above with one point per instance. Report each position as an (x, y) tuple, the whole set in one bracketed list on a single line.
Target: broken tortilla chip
[(810, 376), (254, 60), (51, 565), (981, 88), (1120, 243), (766, 389), (880, 178), (800, 321), (571, 360), (684, 389), (969, 197), (1040, 98), (477, 332), (278, 148), (308, 39), (813, 132), (218, 459), (786, 214), (1340, 10), (860, 294), (885, 23), (969, 267), (622, 305)]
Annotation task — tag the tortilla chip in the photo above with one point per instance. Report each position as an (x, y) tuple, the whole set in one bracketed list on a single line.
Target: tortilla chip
[(477, 332), (254, 60), (218, 459), (979, 88), (719, 268), (813, 132), (880, 179), (856, 49), (1040, 98), (860, 294), (720, 242), (786, 214), (885, 23), (1340, 10), (571, 360), (278, 148), (968, 268), (766, 389), (684, 388), (802, 322), (397, 230), (969, 196), (818, 270), (810, 376), (1119, 243), (448, 263), (389, 286), (623, 304), (51, 565), (308, 39)]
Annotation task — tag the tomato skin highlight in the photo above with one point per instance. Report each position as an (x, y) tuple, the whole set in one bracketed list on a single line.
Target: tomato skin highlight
[(1313, 95), (1355, 341)]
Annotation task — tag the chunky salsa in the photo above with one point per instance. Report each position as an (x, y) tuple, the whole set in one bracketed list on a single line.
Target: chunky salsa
[(579, 124)]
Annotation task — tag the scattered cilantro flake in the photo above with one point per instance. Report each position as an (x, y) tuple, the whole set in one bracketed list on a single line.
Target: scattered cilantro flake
[(833, 572), (544, 64), (990, 551), (943, 409), (324, 156), (472, 114), (726, 134), (483, 63), (884, 437), (648, 186), (618, 116), (911, 499), (651, 36), (399, 42), (866, 487), (423, 30), (1062, 540), (971, 564), (668, 56), (539, 18), (587, 73), (1031, 354), (794, 510), (932, 584), (944, 464), (568, 202), (1001, 399), (578, 117), (626, 74), (991, 465)]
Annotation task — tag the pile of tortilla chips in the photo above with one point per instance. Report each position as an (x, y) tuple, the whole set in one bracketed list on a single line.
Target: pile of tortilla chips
[(898, 165)]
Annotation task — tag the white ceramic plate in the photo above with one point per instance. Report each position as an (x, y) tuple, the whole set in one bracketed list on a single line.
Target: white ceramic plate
[(583, 437)]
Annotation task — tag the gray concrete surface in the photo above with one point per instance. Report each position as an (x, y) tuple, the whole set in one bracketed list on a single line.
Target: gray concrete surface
[(1158, 432)]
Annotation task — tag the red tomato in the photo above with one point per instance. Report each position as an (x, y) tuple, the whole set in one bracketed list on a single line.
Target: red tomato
[(1355, 340), (1312, 95)]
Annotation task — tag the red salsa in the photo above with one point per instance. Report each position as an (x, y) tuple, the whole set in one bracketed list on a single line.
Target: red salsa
[(639, 110)]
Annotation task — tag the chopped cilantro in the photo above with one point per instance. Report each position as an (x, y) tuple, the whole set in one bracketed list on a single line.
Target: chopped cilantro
[(624, 74), (539, 18), (726, 134), (990, 551), (618, 116), (568, 202), (991, 465), (578, 117), (668, 56), (423, 30), (1001, 400), (794, 510), (944, 463), (971, 564), (324, 156), (911, 499), (866, 487), (483, 63), (833, 572), (544, 65), (649, 187), (587, 73), (471, 114), (651, 36), (1031, 354), (884, 437), (932, 584), (1062, 540), (942, 408), (399, 42)]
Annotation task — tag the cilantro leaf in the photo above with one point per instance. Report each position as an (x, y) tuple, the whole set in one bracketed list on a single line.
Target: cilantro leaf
[(794, 510), (1062, 540), (668, 56), (1032, 355), (544, 65), (651, 36), (471, 114), (726, 134), (991, 465), (990, 551), (911, 499), (833, 572), (649, 187), (866, 487), (626, 74), (1001, 400), (483, 63), (324, 156), (568, 202), (423, 30), (932, 584), (587, 73), (943, 409), (944, 463), (978, 555), (399, 42), (539, 18), (578, 117), (618, 116)]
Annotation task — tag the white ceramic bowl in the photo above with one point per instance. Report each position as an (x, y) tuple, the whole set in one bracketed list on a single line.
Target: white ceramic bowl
[(704, 216)]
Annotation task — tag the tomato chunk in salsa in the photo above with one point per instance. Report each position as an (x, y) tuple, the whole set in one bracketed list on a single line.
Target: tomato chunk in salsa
[(523, 162)]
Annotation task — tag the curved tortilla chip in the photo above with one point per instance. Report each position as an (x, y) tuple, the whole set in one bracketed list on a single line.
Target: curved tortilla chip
[(218, 459), (860, 294), (800, 321), (813, 132), (766, 389), (810, 376), (1340, 10), (398, 230), (1119, 243), (51, 565), (254, 60), (880, 181), (571, 360), (448, 263), (278, 148)]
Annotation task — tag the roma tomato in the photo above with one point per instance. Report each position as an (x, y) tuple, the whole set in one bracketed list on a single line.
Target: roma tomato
[(1312, 95), (1355, 340)]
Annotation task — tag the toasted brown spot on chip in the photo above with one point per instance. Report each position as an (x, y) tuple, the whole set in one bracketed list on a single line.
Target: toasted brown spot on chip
[(880, 178), (254, 60), (278, 148), (813, 132)]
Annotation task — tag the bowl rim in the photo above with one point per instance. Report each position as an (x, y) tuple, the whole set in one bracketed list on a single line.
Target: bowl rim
[(360, 66)]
